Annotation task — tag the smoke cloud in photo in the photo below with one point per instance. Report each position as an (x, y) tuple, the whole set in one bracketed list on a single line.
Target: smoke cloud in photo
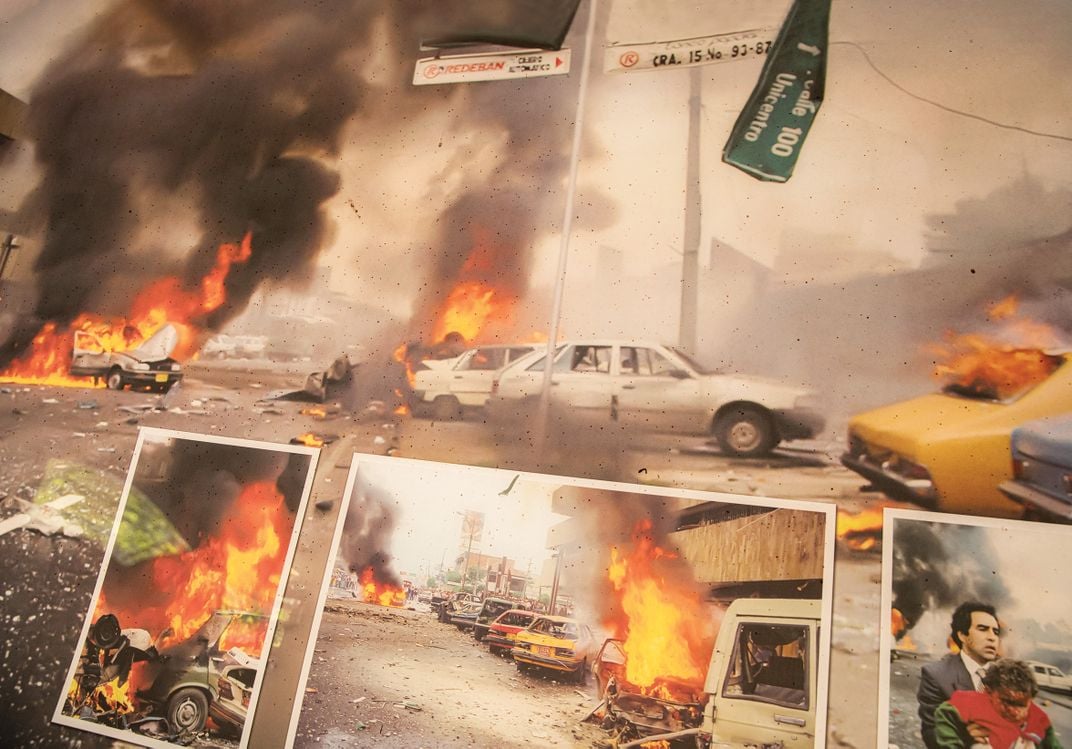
[(195, 482), (367, 530), (1017, 568)]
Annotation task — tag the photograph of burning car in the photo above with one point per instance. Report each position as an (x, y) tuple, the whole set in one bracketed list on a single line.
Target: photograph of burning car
[(187, 597), (694, 618), (950, 450), (975, 631)]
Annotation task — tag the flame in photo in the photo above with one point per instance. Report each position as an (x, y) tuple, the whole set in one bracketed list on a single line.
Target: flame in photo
[(309, 439), (237, 569), (665, 626), (861, 531), (1004, 361), (374, 591), (166, 300)]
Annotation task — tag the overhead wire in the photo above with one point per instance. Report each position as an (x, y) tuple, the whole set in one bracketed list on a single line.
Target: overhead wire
[(951, 110)]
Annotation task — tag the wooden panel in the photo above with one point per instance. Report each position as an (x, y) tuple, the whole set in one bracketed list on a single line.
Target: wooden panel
[(778, 545)]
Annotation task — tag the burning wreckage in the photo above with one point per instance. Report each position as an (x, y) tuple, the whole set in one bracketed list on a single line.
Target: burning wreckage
[(758, 689), (179, 687)]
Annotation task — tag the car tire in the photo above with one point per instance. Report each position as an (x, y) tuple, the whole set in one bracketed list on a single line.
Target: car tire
[(446, 408), (115, 380), (745, 432), (187, 710)]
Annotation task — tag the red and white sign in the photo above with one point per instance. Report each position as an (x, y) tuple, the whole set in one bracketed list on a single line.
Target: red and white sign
[(490, 67)]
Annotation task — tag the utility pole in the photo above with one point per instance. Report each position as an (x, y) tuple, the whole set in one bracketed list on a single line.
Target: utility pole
[(690, 257)]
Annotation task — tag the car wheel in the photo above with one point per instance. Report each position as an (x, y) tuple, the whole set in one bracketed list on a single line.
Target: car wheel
[(187, 710), (115, 380), (446, 408), (478, 633), (745, 431)]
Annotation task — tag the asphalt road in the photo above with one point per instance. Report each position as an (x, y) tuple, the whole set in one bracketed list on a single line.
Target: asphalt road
[(50, 436), (397, 678)]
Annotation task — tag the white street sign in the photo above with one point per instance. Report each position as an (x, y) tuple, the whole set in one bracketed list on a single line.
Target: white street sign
[(702, 50), (490, 67)]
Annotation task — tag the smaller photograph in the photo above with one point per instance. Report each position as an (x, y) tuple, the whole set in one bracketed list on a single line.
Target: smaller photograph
[(477, 607), (976, 634), (173, 648)]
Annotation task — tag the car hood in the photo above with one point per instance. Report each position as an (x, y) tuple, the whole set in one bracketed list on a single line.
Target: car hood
[(158, 346), (1048, 440), (536, 638), (904, 426)]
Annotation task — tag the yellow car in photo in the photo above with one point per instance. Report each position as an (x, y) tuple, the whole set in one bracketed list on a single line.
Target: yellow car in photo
[(555, 643), (950, 451)]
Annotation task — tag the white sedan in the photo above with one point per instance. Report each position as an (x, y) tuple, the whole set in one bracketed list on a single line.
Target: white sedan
[(659, 388), (450, 385)]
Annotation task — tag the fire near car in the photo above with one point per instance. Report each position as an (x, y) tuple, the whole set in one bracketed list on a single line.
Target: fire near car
[(149, 365), (761, 687), (1042, 469), (660, 388), (502, 634), (194, 679), (448, 386), (950, 450), (489, 611), (554, 643)]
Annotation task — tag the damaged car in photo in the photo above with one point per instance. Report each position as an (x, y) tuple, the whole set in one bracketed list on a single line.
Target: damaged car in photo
[(149, 366), (950, 450), (447, 387), (654, 387), (556, 644)]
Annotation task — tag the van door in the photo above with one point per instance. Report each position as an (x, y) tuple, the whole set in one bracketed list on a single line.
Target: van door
[(767, 691)]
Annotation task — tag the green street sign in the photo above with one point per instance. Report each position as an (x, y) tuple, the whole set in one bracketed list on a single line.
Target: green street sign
[(770, 131)]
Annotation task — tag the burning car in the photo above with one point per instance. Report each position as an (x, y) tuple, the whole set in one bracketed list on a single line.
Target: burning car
[(554, 643), (448, 386), (950, 450), (502, 634), (185, 683), (149, 365), (195, 679), (660, 388), (761, 686), (1042, 469)]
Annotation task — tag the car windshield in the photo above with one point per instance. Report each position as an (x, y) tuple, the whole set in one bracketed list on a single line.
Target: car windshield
[(1005, 377), (700, 368)]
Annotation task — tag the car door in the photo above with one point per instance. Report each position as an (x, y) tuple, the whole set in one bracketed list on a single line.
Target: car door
[(656, 391), (470, 380), (581, 378)]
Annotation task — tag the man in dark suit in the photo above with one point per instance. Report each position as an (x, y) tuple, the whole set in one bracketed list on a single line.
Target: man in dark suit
[(975, 631)]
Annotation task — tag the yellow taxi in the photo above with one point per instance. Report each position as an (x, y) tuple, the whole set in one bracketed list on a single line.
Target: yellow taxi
[(950, 451), (555, 643)]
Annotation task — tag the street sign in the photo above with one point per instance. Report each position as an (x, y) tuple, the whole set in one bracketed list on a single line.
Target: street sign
[(490, 67), (682, 53), (770, 131)]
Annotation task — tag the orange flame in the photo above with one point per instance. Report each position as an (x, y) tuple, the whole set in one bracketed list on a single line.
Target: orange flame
[(1003, 362), (166, 300), (237, 569), (898, 625), (666, 630), (309, 439), (385, 594), (861, 531)]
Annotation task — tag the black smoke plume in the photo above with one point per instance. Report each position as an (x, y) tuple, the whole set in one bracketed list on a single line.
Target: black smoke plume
[(930, 572), (366, 535), (194, 483)]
